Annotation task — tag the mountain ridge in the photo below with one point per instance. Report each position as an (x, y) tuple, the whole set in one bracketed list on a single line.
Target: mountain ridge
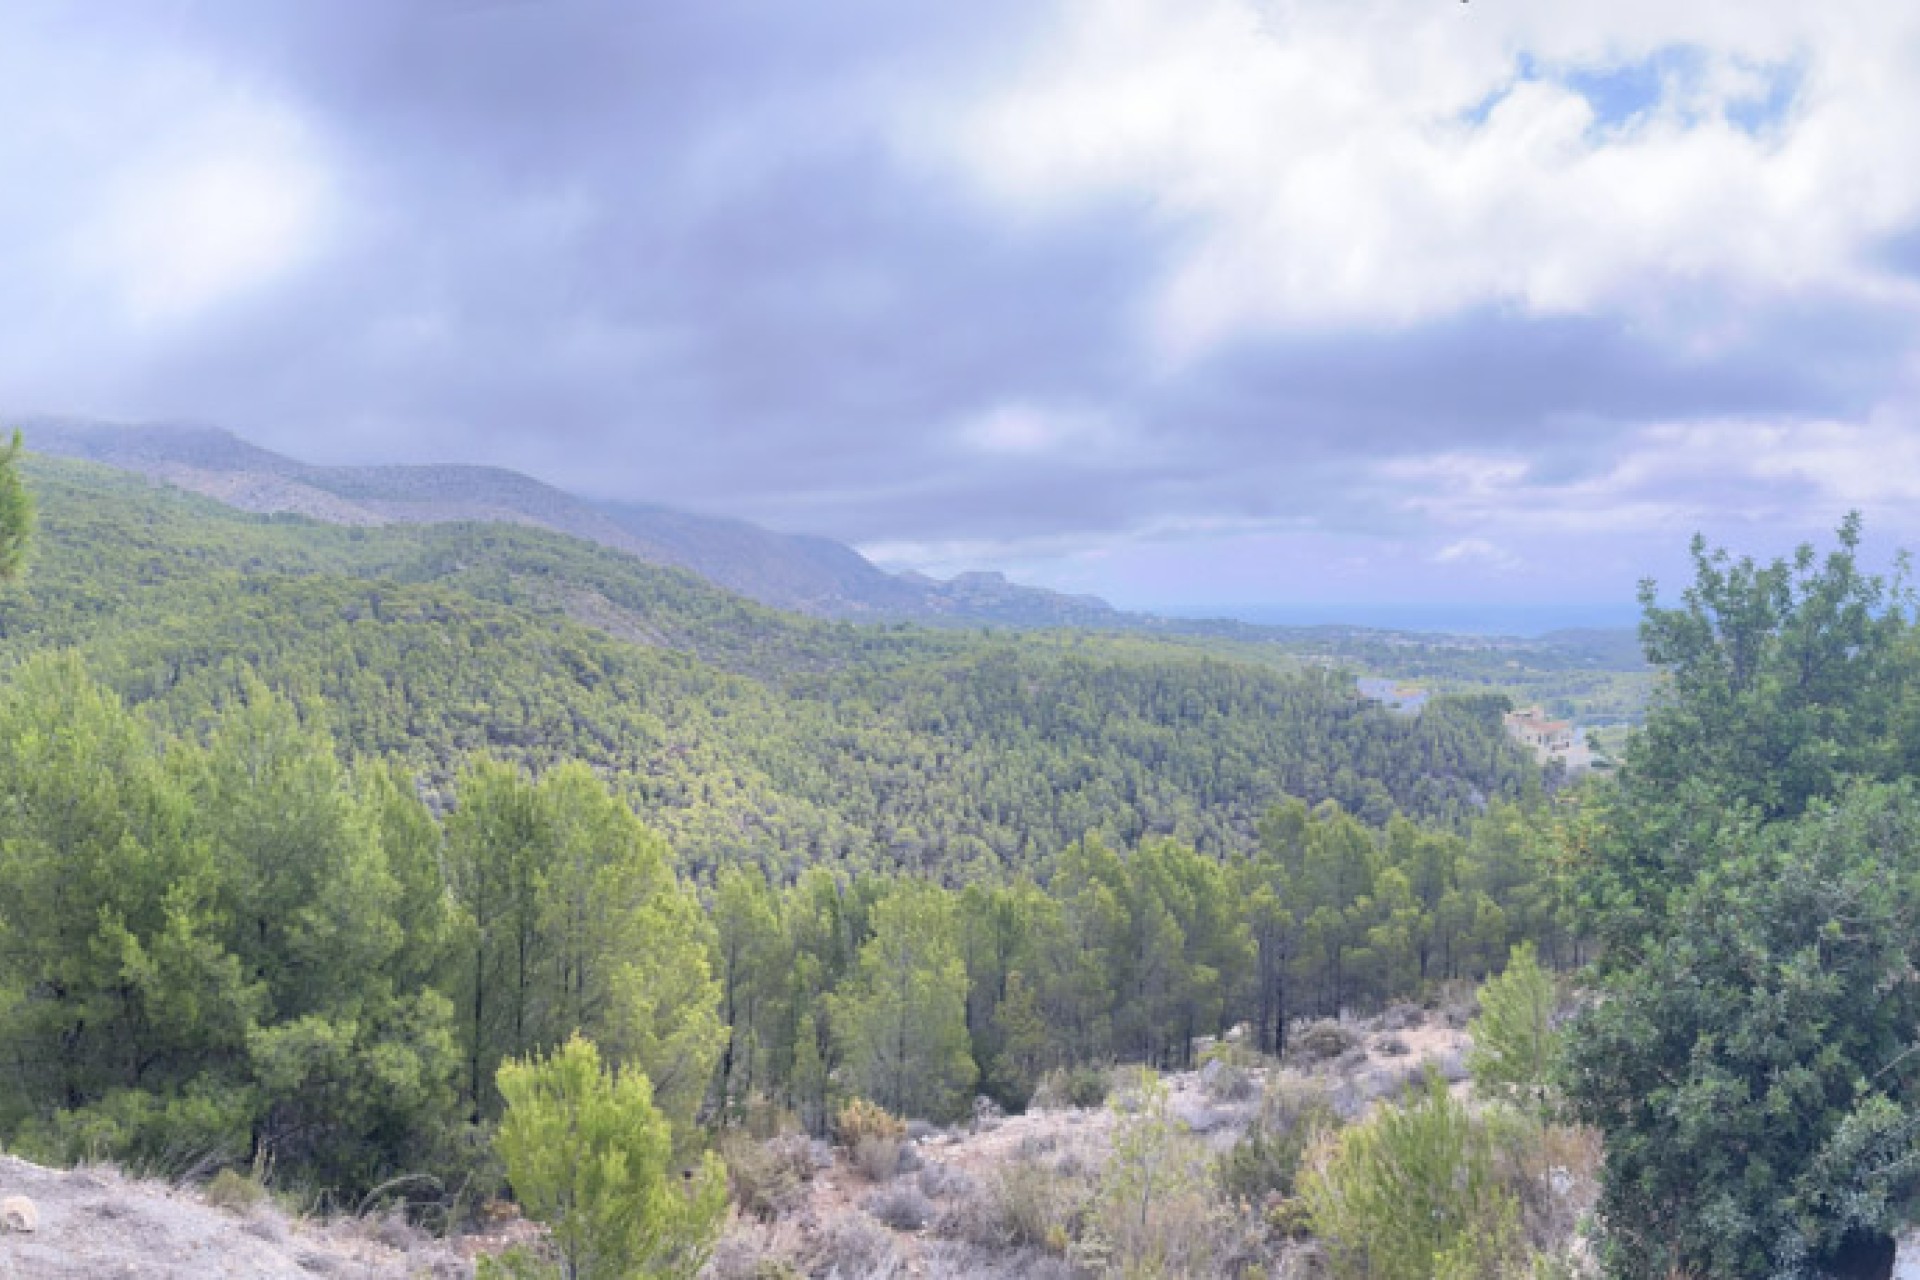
[(799, 572)]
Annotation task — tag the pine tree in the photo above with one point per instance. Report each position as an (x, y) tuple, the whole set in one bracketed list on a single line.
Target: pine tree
[(587, 1153), (1515, 1042), (904, 1019)]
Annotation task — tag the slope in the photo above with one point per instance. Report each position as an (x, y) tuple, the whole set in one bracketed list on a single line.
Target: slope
[(806, 574), (742, 732)]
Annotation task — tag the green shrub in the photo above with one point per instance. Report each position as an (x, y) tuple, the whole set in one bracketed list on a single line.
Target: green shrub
[(1157, 1213), (767, 1179), (1413, 1190), (876, 1159), (589, 1155), (860, 1121), (233, 1191), (1515, 1043), (1084, 1087), (1262, 1165), (148, 1134), (1041, 1207)]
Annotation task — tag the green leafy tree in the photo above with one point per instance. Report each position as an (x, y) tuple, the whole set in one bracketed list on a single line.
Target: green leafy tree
[(1765, 1033), (1411, 1193), (16, 514), (1754, 1010), (1155, 1208), (904, 1019), (498, 842), (116, 989), (752, 966), (1515, 1041), (587, 1154), (623, 948)]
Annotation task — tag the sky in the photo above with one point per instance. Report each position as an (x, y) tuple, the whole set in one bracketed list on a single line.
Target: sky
[(1181, 302)]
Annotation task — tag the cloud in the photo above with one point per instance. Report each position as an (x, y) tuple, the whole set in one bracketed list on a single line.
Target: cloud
[(1393, 161), (1210, 300)]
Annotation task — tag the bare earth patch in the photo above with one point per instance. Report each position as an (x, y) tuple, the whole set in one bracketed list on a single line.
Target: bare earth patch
[(97, 1224)]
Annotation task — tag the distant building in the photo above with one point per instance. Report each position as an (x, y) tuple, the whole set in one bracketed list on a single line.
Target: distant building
[(1549, 739), (1407, 699)]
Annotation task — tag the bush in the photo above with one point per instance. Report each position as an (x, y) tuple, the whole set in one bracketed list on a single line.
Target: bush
[(901, 1206), (1224, 1082), (860, 1119), (1261, 1167), (175, 1138), (851, 1244), (233, 1191), (1024, 1205), (768, 1180), (947, 1260), (739, 1257), (877, 1159), (1156, 1214), (1515, 1042), (589, 1155), (942, 1181), (1403, 1017), (1411, 1194), (1083, 1087), (1322, 1041)]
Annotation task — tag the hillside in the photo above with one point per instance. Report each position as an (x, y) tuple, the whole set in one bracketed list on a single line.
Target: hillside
[(1597, 677), (805, 574), (743, 732)]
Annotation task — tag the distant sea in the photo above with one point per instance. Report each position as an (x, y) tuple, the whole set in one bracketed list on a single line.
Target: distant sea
[(1456, 619)]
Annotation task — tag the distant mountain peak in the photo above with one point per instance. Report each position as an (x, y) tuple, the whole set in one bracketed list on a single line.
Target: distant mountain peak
[(802, 573)]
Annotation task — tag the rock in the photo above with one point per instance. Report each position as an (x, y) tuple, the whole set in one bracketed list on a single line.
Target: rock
[(17, 1213)]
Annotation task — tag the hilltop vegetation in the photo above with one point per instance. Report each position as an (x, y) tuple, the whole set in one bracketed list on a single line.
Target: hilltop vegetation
[(741, 733)]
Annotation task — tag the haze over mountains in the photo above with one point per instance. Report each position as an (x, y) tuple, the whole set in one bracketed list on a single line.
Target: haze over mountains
[(811, 575), (815, 576)]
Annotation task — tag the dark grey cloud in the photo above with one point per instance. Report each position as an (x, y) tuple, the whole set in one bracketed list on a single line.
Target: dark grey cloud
[(682, 253)]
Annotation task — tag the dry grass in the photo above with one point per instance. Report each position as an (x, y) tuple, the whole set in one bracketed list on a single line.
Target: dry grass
[(768, 1179), (901, 1206), (1325, 1040), (860, 1120), (233, 1191), (877, 1159)]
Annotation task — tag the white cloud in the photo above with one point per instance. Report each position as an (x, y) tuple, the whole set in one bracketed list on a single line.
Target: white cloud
[(1475, 551), (1020, 430), (153, 185), (1668, 480), (205, 215), (1326, 162)]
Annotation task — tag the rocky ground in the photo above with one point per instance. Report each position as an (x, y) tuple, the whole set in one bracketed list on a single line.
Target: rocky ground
[(834, 1223), (95, 1223)]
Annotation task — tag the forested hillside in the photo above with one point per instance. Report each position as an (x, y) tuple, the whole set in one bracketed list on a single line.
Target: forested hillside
[(339, 853), (739, 732), (810, 575), (454, 856)]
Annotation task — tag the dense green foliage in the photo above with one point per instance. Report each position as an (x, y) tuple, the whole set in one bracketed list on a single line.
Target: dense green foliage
[(234, 947), (16, 513), (1412, 1194), (1125, 955), (1756, 877), (588, 1154), (742, 734), (238, 949), (1515, 1042), (319, 847)]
